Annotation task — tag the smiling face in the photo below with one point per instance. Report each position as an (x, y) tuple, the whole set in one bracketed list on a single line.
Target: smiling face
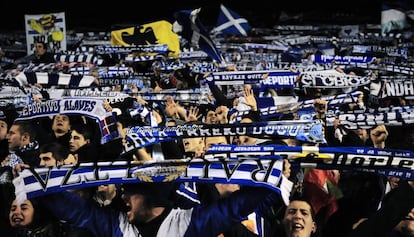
[(298, 220), (21, 215)]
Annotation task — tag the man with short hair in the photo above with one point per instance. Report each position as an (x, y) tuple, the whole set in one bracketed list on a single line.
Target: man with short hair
[(150, 212), (53, 154), (61, 128), (298, 220), (22, 142), (41, 54)]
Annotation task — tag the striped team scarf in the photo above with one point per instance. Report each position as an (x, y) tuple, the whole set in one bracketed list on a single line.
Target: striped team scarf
[(386, 162), (255, 46), (367, 63), (36, 182), (246, 165), (114, 72), (203, 67), (170, 65), (253, 58), (331, 79), (268, 78), (14, 95), (337, 59), (41, 67), (139, 81), (77, 58), (194, 95), (80, 70), (48, 79), (110, 96), (193, 55), (303, 130), (302, 67), (92, 108), (380, 50), (86, 49), (306, 106), (148, 49), (397, 88), (393, 116), (142, 58)]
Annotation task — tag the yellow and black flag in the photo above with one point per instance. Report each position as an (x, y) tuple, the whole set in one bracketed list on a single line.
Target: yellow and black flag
[(159, 32)]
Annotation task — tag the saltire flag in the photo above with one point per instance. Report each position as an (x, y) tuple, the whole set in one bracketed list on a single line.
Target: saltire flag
[(230, 23), (158, 32), (189, 26)]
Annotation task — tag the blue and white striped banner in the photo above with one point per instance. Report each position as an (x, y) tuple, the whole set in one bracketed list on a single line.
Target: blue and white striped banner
[(142, 58), (396, 116), (381, 50), (93, 108), (151, 49), (48, 79), (114, 72), (331, 79), (303, 130), (387, 162), (36, 182), (268, 78), (333, 103), (337, 59), (76, 58)]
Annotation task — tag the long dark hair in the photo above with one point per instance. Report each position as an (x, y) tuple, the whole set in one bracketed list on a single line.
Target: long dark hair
[(43, 224)]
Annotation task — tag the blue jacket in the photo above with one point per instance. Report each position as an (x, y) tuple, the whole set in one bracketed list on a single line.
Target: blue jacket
[(199, 221)]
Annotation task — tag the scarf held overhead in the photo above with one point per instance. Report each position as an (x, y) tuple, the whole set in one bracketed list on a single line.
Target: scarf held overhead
[(254, 172), (303, 130), (93, 108)]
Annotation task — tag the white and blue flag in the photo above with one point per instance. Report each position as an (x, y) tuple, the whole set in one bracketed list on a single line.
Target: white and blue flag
[(189, 26), (230, 23)]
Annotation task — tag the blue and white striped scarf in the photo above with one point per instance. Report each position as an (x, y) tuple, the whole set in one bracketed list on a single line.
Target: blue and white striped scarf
[(303, 130), (386, 162), (35, 182), (48, 79), (79, 58), (92, 108)]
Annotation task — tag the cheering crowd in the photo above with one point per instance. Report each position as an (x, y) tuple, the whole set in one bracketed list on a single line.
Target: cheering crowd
[(340, 135)]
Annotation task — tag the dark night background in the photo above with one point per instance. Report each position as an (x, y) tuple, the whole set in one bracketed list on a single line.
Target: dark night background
[(102, 15)]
